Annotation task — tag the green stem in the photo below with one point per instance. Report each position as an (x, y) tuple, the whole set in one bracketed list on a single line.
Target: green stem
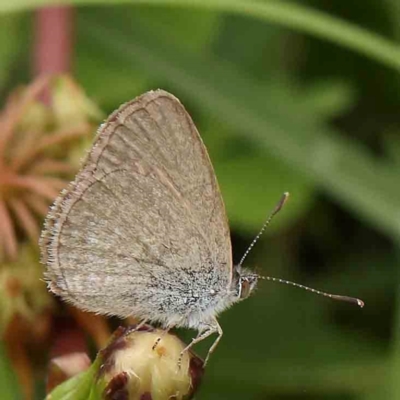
[(292, 16)]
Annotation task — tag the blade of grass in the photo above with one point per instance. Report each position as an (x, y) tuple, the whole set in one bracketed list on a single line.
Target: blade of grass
[(290, 15), (393, 376), (364, 184)]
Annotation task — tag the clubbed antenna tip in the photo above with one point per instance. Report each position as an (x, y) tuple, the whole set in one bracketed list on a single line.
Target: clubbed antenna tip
[(281, 203), (337, 297), (348, 299)]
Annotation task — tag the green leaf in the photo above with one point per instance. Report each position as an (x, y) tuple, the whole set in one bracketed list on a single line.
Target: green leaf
[(252, 182), (328, 98), (81, 387), (9, 387), (94, 64), (284, 13), (280, 124), (11, 37)]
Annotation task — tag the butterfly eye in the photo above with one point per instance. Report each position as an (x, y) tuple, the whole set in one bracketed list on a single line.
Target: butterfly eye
[(245, 289)]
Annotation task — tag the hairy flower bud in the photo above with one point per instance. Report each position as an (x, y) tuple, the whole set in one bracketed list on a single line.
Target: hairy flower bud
[(139, 365), (143, 364)]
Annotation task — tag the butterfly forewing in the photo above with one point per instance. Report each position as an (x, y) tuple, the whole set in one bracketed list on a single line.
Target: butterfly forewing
[(144, 211)]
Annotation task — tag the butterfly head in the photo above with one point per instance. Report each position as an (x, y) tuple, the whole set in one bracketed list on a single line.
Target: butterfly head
[(244, 282)]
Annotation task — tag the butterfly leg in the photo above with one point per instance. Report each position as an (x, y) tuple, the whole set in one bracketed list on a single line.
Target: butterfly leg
[(215, 344), (139, 326), (161, 336), (210, 328)]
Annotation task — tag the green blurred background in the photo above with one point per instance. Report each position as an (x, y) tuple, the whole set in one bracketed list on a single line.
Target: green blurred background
[(287, 100)]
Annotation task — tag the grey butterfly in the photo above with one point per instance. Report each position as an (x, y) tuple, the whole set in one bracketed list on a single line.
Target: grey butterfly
[(142, 230)]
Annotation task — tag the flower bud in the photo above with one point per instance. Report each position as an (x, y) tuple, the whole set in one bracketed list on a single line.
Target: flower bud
[(145, 365)]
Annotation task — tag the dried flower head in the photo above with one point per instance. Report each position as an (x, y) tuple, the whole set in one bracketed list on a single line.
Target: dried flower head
[(43, 128), (35, 144)]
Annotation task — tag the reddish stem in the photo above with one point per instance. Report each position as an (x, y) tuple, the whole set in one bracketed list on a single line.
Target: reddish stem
[(52, 50)]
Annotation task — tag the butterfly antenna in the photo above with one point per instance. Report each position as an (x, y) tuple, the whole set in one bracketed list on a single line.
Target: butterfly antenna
[(337, 297), (277, 208), (347, 299)]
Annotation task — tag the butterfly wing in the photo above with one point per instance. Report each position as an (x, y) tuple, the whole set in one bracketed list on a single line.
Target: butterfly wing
[(144, 214)]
